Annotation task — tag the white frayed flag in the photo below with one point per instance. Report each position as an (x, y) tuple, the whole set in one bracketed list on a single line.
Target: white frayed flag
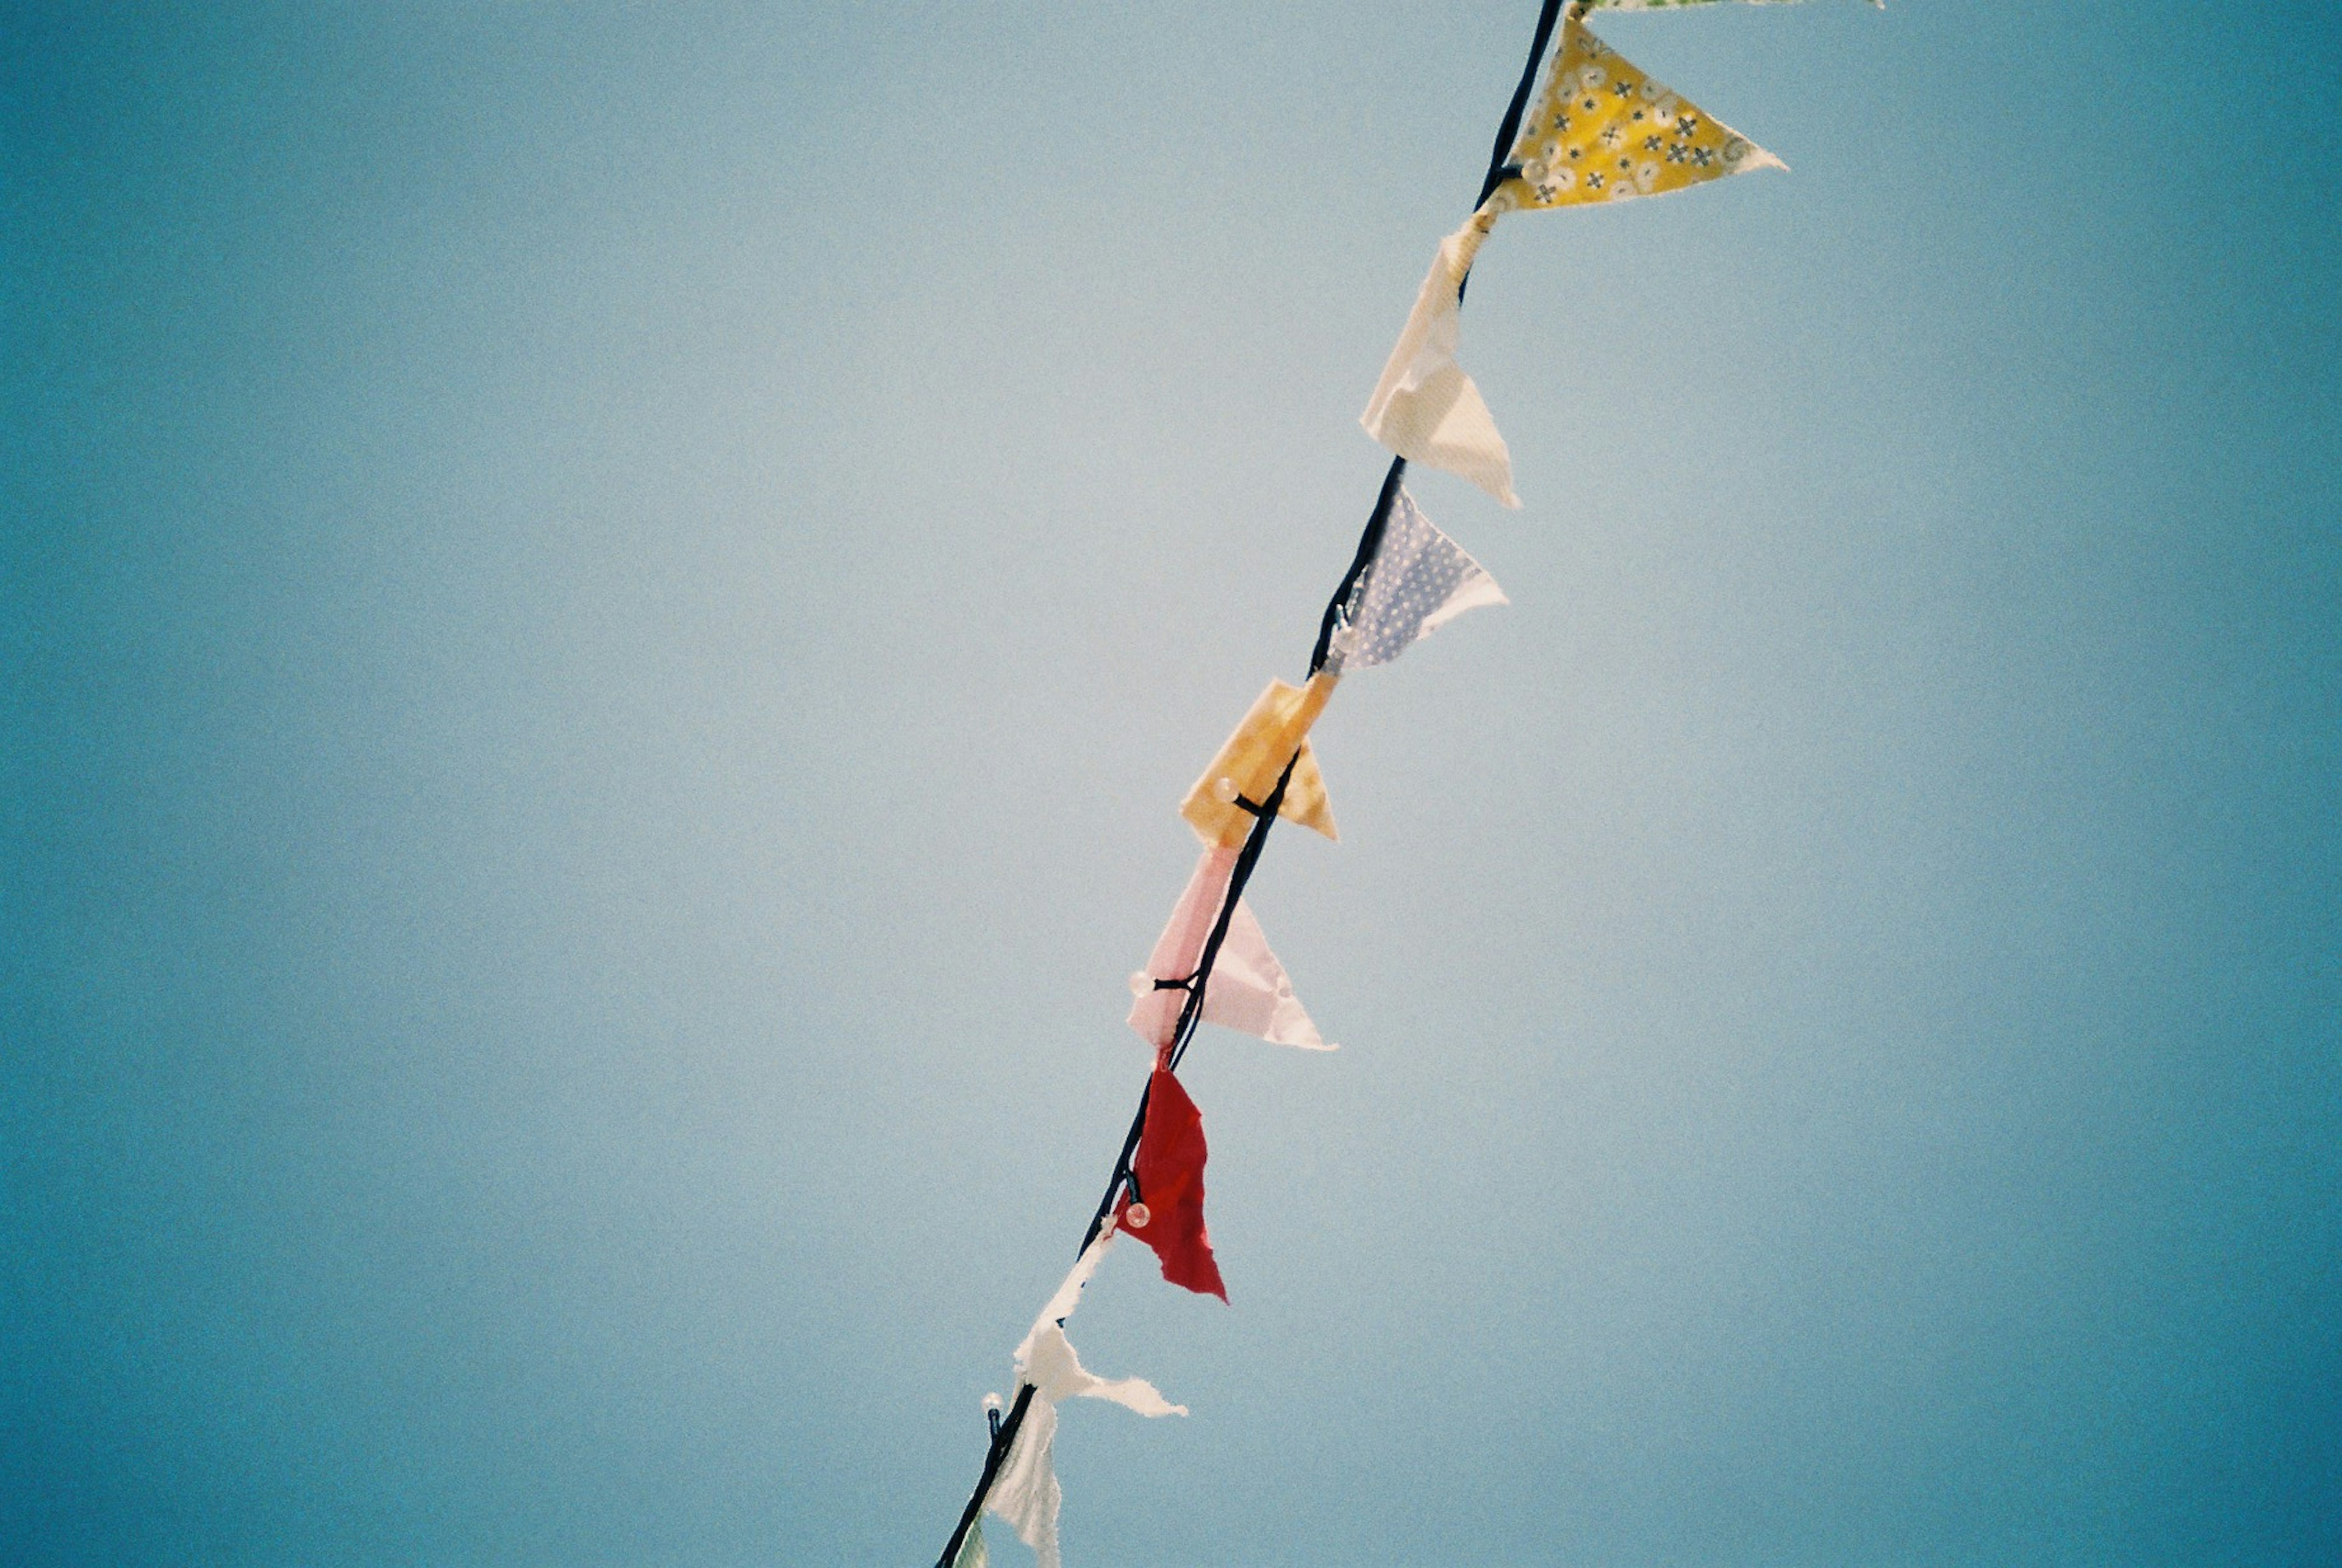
[(1025, 1489)]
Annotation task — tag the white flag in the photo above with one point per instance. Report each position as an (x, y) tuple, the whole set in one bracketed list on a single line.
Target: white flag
[(1418, 581), (1247, 990), (1050, 1365), (1068, 1294), (1025, 1489), (1424, 408)]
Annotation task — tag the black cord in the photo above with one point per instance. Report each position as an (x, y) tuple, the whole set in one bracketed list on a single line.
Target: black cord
[(1191, 1010)]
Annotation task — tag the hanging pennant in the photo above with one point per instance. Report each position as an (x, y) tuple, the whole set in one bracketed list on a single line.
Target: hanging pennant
[(1424, 408), (1246, 990), (1418, 581), (1604, 131), (1245, 770), (1168, 1170), (1024, 1491)]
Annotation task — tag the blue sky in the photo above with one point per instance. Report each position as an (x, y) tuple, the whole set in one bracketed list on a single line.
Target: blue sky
[(606, 608)]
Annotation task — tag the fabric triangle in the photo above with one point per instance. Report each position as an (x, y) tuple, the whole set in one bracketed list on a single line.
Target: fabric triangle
[(1168, 1171), (1604, 131), (1418, 581), (1247, 989), (1246, 766), (1424, 408)]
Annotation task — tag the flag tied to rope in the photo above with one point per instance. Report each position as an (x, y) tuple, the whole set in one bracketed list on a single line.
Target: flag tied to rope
[(1600, 131), (1167, 1213), (1246, 990), (1603, 131), (1418, 581), (1247, 768), (1024, 1491), (1424, 408)]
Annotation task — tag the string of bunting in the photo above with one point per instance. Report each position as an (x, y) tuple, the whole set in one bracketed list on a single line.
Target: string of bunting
[(1599, 130)]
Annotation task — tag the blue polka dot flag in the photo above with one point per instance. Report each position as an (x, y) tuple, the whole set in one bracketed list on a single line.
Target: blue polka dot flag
[(1419, 580)]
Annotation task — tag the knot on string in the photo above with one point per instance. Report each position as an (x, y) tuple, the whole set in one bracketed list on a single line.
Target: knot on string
[(1225, 791)]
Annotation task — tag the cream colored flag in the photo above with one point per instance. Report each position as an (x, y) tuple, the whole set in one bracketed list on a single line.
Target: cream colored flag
[(1424, 408)]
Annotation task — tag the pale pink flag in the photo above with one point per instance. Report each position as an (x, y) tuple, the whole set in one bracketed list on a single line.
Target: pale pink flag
[(1248, 989)]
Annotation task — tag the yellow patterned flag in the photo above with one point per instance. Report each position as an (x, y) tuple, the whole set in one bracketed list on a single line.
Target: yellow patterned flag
[(1603, 131), (1273, 733)]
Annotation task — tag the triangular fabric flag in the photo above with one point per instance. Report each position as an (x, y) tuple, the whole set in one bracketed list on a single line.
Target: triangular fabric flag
[(1025, 1489), (1418, 581), (1424, 408), (1249, 761), (1247, 990), (1603, 131), (1168, 1171), (972, 1554)]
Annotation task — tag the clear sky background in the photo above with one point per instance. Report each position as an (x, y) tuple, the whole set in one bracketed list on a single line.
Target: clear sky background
[(607, 607)]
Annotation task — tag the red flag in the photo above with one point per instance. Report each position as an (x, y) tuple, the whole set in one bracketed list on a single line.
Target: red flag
[(1170, 1171)]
